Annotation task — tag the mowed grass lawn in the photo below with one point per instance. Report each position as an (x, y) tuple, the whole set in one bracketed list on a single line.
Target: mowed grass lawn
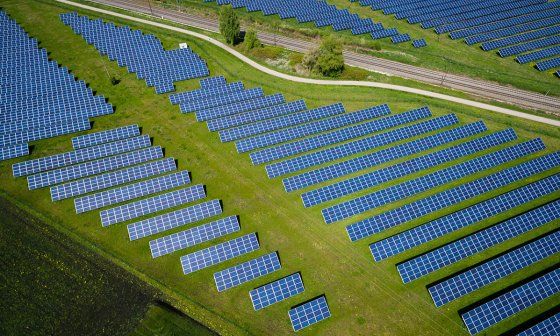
[(365, 298), (442, 53)]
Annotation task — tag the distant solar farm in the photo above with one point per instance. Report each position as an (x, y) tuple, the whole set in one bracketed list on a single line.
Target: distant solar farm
[(351, 166)]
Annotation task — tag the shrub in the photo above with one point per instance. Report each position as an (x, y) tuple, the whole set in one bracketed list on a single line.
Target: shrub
[(251, 40), (229, 25), (326, 60)]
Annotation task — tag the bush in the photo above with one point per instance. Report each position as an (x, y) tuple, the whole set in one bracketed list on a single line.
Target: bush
[(326, 60), (251, 40), (229, 25)]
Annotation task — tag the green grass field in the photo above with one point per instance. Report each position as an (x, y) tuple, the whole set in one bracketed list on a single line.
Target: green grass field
[(442, 53), (366, 298)]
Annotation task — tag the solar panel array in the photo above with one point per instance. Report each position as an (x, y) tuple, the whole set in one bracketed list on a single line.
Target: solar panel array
[(496, 268), (548, 327), (513, 27), (216, 254), (141, 54), (319, 12), (309, 313), (38, 99), (276, 291), (512, 302), (247, 271), (329, 143)]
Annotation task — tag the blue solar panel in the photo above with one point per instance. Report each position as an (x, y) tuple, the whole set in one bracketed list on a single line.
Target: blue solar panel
[(512, 302), (369, 160), (75, 172), (400, 38), (463, 218), (111, 179), (349, 132), (131, 191), (247, 271), (239, 106), (508, 32), (276, 291), (194, 236), (69, 158), (281, 122), (539, 54), (300, 131), (358, 146), (548, 64), (212, 82), (209, 102), (256, 115), (548, 327), (495, 269), (150, 205), (433, 180), (533, 35), (216, 254), (401, 169), (174, 219), (528, 46), (452, 196), (47, 131), (177, 98), (419, 43), (14, 151), (309, 313), (105, 136)]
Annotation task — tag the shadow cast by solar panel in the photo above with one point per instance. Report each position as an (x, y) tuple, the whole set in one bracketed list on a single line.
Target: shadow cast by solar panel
[(493, 296), (470, 267), (533, 321)]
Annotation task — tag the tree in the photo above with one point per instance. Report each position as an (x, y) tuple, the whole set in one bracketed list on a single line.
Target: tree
[(229, 25), (327, 59), (251, 40)]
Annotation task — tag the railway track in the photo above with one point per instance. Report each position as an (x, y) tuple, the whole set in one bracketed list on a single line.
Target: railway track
[(485, 89)]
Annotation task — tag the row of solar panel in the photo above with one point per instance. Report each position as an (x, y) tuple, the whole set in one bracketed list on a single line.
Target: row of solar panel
[(141, 54), (39, 99), (286, 136), (91, 148)]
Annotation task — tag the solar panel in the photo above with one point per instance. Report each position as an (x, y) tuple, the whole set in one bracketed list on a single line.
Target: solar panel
[(276, 291), (75, 172), (548, 327), (404, 168), (463, 218), (14, 151), (131, 191), (346, 133), (177, 98), (400, 38), (239, 106), (105, 136), (419, 43), (18, 137), (79, 156), (280, 122), (319, 126), (255, 115), (512, 302), (216, 254), (150, 205), (358, 146), (309, 313), (548, 64), (495, 269), (112, 179), (452, 196), (433, 180), (174, 219), (194, 236), (372, 159), (247, 271), (212, 81), (231, 97)]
